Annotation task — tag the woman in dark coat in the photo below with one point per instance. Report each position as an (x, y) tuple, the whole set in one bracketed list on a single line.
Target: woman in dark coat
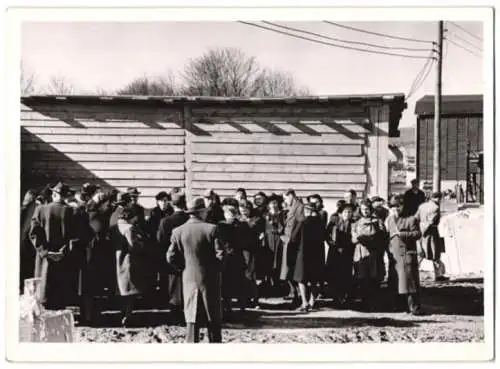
[(97, 271), (133, 259), (231, 236), (369, 237), (27, 252), (307, 244), (251, 248), (340, 254), (404, 232), (274, 225)]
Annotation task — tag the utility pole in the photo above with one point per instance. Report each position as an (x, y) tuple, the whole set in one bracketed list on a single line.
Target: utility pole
[(436, 173)]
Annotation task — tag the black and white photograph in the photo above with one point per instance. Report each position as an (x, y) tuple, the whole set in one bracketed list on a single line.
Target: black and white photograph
[(310, 177)]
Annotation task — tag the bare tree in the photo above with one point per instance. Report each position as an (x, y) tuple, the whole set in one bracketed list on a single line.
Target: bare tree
[(153, 86), (222, 72), (28, 81), (59, 85), (274, 83)]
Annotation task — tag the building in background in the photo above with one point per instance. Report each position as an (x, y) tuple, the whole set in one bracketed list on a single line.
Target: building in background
[(461, 132), (323, 145)]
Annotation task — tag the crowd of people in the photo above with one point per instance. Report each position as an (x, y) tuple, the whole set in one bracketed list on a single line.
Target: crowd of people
[(209, 257)]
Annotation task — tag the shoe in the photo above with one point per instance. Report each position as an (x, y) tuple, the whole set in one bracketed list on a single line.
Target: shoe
[(303, 308), (441, 279)]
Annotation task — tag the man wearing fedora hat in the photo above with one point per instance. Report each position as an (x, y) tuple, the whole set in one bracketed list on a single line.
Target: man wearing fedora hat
[(196, 251), (133, 194), (52, 234)]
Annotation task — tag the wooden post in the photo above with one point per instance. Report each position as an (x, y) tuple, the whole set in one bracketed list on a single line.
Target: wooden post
[(436, 177), (188, 160)]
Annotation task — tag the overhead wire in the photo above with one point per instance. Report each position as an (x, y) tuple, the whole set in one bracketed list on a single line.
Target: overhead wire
[(379, 34), (464, 40), (345, 41), (463, 47), (332, 44), (466, 31), (421, 77)]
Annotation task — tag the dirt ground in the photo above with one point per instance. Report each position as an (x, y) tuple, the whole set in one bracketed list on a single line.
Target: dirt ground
[(453, 312)]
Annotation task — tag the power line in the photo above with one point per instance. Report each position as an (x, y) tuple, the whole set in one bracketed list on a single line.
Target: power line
[(464, 40), (463, 47), (418, 82), (468, 32), (334, 45), (341, 40), (378, 34)]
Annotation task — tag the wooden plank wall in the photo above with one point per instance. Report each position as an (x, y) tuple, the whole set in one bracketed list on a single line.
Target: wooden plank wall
[(455, 133), (261, 148), (272, 149), (113, 146)]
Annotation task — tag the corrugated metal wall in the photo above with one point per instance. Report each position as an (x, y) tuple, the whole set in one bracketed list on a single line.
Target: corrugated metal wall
[(263, 148), (456, 132)]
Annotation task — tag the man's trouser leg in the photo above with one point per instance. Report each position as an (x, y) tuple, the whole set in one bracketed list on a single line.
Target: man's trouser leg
[(214, 332), (192, 333)]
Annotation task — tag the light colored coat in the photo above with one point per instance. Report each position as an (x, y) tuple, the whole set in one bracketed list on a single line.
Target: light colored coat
[(195, 250), (403, 234), (428, 216), (293, 217)]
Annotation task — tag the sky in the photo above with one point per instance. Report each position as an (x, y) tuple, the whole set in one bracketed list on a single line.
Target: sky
[(108, 55)]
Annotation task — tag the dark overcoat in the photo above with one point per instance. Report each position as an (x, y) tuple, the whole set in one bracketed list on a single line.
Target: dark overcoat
[(340, 255), (154, 218), (51, 230), (306, 252), (26, 251), (403, 234), (231, 235), (293, 217), (196, 251), (252, 249), (170, 278), (98, 264), (428, 215)]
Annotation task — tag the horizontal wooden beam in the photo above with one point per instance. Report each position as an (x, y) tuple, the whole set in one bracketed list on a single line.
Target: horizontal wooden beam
[(278, 168), (277, 186), (281, 159), (104, 148), (276, 149)]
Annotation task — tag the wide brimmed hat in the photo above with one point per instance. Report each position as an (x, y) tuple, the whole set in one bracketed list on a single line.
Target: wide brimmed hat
[(89, 189), (162, 195), (122, 198), (61, 189), (133, 191), (196, 205)]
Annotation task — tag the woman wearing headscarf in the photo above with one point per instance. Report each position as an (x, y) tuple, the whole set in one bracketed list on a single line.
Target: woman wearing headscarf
[(27, 252), (369, 238), (133, 260), (307, 245), (404, 232)]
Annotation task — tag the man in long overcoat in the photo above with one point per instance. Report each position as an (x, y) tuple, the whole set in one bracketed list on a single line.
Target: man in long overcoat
[(195, 250), (52, 236), (403, 232), (292, 220), (431, 244), (170, 281)]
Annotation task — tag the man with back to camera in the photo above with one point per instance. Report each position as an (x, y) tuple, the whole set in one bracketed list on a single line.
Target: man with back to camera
[(413, 198), (195, 250)]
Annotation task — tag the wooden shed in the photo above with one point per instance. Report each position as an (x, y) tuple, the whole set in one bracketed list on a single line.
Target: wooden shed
[(461, 128), (323, 145)]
